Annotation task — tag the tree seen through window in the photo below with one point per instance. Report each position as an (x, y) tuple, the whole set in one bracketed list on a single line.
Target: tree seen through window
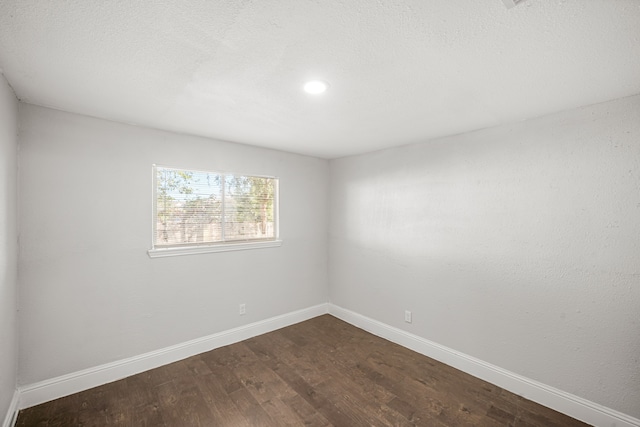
[(199, 208)]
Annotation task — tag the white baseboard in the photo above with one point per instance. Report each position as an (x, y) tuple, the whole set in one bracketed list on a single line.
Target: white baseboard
[(558, 400), (574, 406), (12, 412), (44, 391)]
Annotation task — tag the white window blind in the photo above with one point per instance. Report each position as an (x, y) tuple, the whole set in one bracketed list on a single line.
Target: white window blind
[(198, 208)]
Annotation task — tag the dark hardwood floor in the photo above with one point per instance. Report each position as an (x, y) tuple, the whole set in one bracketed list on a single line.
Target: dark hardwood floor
[(322, 372)]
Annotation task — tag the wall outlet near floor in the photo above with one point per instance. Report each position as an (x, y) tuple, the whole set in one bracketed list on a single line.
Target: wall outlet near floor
[(242, 310), (407, 316)]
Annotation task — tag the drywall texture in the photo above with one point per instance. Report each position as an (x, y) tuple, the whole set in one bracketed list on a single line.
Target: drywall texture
[(8, 244), (89, 292), (518, 245), (400, 71)]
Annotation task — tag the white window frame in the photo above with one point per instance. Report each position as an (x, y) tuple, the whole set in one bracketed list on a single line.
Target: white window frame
[(211, 247)]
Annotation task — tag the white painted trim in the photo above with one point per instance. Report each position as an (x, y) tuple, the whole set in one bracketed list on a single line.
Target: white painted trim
[(205, 249), (44, 391), (12, 411), (559, 400), (574, 406)]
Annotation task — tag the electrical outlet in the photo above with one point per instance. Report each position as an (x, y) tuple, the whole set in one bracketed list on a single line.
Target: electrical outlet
[(242, 310), (407, 316)]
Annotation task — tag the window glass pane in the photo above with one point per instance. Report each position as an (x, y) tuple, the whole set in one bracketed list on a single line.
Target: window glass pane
[(195, 208), (249, 207)]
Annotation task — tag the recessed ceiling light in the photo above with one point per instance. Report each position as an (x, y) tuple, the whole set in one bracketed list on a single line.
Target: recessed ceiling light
[(315, 87)]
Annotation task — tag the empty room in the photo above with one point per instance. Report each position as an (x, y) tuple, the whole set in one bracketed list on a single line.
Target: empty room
[(321, 213)]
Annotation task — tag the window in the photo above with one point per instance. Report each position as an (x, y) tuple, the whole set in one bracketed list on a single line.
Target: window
[(198, 211)]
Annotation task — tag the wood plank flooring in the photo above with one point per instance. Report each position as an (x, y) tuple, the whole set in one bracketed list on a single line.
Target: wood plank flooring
[(322, 372)]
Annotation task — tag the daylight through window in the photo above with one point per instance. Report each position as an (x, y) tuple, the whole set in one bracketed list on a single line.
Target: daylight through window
[(196, 208)]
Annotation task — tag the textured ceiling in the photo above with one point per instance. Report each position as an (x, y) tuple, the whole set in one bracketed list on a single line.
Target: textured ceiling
[(401, 71)]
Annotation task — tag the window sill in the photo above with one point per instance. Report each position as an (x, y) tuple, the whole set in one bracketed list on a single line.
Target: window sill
[(225, 247)]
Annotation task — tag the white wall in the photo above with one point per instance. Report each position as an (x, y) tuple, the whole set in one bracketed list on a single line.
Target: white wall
[(8, 245), (518, 245), (89, 292)]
